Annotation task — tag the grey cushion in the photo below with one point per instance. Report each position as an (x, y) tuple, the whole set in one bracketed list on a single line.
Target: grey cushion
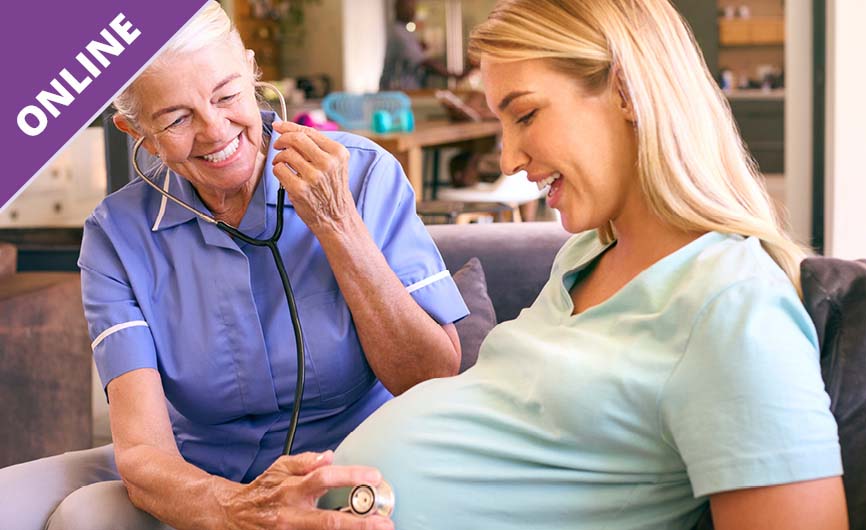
[(516, 258), (472, 329), (834, 292)]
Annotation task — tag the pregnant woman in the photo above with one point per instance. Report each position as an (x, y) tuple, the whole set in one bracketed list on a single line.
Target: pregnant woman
[(668, 364)]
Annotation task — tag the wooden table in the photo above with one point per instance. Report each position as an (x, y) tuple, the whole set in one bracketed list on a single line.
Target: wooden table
[(408, 147)]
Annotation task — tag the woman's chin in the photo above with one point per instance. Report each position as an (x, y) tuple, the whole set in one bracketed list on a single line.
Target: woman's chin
[(569, 223)]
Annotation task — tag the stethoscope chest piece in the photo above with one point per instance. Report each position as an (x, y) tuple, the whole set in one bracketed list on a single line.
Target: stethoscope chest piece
[(366, 500)]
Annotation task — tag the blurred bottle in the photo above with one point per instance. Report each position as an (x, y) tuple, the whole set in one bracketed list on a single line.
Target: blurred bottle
[(726, 79)]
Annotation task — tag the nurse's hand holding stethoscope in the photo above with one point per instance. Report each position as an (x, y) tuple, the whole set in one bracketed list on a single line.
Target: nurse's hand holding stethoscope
[(284, 496), (314, 170)]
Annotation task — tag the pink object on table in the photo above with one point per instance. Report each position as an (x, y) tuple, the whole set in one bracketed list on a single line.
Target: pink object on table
[(315, 119)]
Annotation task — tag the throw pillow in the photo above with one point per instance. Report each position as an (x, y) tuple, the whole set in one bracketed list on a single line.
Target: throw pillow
[(834, 293), (472, 285)]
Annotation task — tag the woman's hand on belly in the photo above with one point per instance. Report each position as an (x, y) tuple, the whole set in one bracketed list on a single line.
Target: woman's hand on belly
[(285, 496)]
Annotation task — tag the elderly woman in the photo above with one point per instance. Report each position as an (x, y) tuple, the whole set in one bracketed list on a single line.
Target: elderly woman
[(191, 330), (668, 365)]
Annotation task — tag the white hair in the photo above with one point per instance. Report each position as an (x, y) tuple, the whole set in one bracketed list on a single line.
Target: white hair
[(211, 25)]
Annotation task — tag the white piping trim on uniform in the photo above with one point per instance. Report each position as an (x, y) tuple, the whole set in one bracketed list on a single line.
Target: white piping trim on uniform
[(116, 328), (162, 203), (427, 281)]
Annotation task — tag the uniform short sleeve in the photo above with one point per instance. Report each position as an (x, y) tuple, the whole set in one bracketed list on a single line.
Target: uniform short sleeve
[(121, 337), (746, 405), (387, 205)]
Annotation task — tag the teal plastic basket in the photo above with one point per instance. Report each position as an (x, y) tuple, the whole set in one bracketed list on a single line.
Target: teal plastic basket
[(355, 111)]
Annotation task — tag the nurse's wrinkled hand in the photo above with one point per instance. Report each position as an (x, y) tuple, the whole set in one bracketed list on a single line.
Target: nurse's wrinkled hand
[(285, 496), (315, 172)]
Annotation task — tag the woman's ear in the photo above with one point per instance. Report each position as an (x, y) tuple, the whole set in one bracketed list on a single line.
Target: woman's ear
[(623, 97), (123, 125), (251, 59)]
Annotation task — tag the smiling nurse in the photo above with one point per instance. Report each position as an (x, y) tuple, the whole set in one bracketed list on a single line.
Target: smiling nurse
[(668, 365), (191, 331)]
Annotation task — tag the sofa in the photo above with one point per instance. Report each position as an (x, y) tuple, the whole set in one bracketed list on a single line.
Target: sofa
[(512, 264), (516, 260), (45, 363)]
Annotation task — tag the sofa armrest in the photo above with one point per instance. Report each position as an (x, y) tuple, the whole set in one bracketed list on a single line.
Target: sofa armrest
[(45, 367), (8, 259)]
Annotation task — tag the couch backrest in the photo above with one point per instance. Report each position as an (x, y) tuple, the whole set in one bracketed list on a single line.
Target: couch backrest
[(834, 293), (516, 258)]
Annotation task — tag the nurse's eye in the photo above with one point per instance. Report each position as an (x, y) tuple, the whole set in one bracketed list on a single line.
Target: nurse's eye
[(176, 123), (526, 119)]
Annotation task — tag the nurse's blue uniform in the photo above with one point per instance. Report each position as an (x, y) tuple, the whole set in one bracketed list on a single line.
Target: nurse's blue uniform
[(164, 289)]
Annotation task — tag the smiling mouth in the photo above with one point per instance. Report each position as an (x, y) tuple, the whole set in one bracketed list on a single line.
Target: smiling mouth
[(225, 152), (548, 181)]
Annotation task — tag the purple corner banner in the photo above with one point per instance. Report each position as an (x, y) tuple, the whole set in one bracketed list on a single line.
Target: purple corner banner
[(41, 41)]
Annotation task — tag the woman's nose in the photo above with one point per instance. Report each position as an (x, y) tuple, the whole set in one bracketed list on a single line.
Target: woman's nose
[(513, 158), (213, 126)]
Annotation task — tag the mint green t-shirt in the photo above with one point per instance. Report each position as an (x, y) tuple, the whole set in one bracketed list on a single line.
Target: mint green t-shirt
[(699, 376)]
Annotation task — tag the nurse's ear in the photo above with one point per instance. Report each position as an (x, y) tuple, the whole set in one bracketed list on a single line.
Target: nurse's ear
[(251, 62), (123, 125)]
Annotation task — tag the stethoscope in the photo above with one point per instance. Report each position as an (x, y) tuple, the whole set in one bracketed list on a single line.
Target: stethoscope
[(271, 243), (363, 500)]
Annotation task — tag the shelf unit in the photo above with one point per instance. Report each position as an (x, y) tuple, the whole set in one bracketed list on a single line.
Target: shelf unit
[(263, 35), (742, 45), (758, 31)]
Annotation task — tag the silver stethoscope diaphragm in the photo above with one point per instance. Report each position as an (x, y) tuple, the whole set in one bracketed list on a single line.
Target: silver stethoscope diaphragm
[(365, 500)]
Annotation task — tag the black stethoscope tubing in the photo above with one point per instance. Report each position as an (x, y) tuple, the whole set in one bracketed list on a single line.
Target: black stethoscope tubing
[(271, 244)]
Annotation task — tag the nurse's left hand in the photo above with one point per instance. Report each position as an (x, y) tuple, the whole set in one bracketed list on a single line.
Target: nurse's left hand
[(314, 170), (285, 496)]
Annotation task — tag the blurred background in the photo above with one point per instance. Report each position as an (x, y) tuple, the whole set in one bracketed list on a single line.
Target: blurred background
[(790, 70)]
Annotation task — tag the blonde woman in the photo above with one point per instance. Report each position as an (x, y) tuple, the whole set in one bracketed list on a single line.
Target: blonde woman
[(668, 365)]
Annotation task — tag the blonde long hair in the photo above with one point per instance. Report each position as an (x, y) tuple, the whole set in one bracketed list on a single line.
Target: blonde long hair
[(692, 164)]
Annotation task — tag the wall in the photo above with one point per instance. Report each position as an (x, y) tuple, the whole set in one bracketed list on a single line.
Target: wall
[(474, 12), (798, 119), (364, 36), (845, 214), (321, 49), (344, 39)]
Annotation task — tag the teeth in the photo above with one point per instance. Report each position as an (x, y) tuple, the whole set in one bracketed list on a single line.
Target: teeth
[(548, 181), (228, 151)]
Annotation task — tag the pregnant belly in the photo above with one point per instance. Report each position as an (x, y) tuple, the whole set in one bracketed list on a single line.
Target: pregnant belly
[(463, 453)]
